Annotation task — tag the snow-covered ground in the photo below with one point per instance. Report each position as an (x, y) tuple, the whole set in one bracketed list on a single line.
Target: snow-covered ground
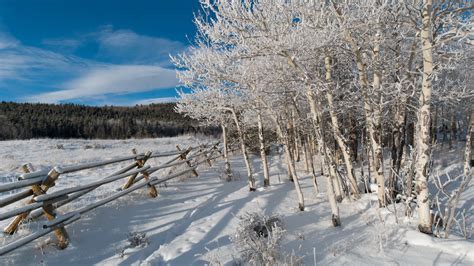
[(191, 221)]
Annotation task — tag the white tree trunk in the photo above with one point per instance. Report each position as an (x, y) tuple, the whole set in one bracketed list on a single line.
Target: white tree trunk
[(291, 169), (316, 117), (291, 165), (336, 220), (263, 156), (326, 156), (341, 142), (336, 182), (453, 203), (374, 115), (423, 125), (228, 170), (296, 138), (398, 143), (309, 152), (251, 180), (304, 149)]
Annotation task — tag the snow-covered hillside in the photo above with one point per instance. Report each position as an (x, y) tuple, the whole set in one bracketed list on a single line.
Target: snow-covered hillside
[(192, 221)]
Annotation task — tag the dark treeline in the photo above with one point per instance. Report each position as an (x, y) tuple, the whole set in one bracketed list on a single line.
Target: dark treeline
[(26, 120)]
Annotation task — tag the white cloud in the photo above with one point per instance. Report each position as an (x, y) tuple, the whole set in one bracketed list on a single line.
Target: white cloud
[(156, 100), (22, 62), (7, 41), (62, 43), (114, 79), (137, 63), (126, 45)]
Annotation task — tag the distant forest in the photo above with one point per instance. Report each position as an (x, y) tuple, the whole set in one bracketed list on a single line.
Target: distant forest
[(26, 120)]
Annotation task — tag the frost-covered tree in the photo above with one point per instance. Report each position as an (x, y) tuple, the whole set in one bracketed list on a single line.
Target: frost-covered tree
[(329, 75)]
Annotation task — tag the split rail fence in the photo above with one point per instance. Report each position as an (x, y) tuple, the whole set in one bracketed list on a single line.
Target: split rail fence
[(41, 203)]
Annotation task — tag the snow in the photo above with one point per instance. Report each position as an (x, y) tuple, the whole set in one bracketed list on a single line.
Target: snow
[(191, 220)]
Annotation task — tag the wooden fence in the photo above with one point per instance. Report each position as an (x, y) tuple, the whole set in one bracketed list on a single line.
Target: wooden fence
[(37, 184)]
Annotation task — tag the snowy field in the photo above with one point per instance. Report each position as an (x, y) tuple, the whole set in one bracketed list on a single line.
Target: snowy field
[(192, 221)]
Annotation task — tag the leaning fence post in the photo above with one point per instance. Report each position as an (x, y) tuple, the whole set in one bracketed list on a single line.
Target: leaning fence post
[(140, 163), (37, 190), (13, 225), (205, 155), (152, 189), (60, 232), (182, 156)]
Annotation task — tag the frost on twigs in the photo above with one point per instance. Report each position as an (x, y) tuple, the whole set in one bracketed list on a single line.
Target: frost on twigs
[(258, 239), (446, 216), (135, 240)]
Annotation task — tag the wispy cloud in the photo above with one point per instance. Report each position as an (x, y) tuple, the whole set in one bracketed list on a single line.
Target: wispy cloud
[(111, 80), (128, 46), (7, 41), (137, 63), (63, 44), (22, 62)]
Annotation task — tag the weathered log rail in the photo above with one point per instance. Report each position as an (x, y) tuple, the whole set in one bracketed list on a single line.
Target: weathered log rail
[(43, 203)]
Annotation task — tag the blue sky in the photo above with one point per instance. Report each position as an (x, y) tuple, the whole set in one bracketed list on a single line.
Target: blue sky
[(93, 52)]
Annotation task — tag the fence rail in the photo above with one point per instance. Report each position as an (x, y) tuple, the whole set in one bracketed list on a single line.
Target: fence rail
[(43, 203)]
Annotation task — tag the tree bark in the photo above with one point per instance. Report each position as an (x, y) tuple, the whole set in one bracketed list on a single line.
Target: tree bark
[(335, 218), (228, 170), (423, 125), (452, 135), (375, 117), (397, 144), (434, 127), (304, 149), (296, 137), (292, 168), (310, 154), (263, 155)]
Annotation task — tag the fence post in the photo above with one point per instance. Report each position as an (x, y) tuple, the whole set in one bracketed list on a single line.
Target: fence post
[(60, 233), (13, 225), (140, 163), (182, 156), (152, 189), (218, 150), (37, 190), (205, 155)]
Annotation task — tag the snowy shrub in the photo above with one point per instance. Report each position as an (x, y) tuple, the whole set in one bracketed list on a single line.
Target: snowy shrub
[(225, 176), (258, 239), (136, 239)]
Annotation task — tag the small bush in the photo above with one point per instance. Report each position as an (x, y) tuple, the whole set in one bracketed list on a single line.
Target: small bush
[(136, 239), (258, 239), (225, 176)]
